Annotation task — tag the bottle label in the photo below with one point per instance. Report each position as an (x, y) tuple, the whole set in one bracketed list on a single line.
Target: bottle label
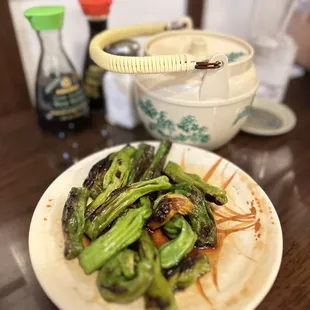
[(62, 98), (93, 81)]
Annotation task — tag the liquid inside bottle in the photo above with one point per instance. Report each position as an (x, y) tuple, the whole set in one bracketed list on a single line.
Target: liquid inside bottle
[(93, 74), (61, 103)]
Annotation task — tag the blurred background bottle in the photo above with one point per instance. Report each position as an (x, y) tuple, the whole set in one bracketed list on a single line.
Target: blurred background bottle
[(61, 103), (97, 13)]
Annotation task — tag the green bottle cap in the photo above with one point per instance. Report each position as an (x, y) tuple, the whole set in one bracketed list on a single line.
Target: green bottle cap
[(45, 17)]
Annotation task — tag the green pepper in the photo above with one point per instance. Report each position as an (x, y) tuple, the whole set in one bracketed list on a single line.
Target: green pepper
[(159, 295), (187, 272), (129, 150), (212, 193), (156, 167), (94, 180), (114, 285), (201, 217), (127, 263), (73, 221), (115, 177), (119, 201), (141, 160), (172, 252), (166, 206), (127, 229)]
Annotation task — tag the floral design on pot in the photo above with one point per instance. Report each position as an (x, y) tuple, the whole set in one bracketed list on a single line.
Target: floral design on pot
[(245, 112), (186, 130), (234, 56)]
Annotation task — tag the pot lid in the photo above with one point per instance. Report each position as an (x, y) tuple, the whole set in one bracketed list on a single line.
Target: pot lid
[(201, 44)]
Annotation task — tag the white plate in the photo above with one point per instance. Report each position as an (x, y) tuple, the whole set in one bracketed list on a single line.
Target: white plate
[(244, 265)]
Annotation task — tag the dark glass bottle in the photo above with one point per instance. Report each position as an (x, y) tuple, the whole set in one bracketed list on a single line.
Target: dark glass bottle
[(93, 74), (61, 103)]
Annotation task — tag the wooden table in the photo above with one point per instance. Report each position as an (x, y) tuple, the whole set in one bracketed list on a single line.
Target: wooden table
[(30, 160)]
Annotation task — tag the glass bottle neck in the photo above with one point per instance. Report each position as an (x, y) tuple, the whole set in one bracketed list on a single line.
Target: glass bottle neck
[(53, 58), (97, 25), (50, 41)]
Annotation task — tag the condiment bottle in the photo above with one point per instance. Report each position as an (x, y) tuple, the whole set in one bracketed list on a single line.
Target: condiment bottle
[(97, 12), (120, 102), (61, 103)]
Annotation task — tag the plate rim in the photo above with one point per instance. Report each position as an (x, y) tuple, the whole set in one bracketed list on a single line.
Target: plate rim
[(250, 306)]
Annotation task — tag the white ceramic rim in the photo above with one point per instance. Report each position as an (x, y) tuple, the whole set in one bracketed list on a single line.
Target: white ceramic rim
[(195, 103), (247, 46), (255, 301)]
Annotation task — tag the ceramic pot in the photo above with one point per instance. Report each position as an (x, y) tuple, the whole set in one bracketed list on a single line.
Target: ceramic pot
[(170, 105), (208, 125)]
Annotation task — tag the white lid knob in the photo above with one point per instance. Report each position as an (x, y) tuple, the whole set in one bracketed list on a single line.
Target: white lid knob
[(199, 48)]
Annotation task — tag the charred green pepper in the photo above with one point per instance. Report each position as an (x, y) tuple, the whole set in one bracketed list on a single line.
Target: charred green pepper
[(172, 252), (166, 206), (159, 295), (127, 229), (73, 221), (156, 167), (187, 272), (141, 161), (114, 285), (212, 193), (201, 217), (94, 180), (116, 176), (119, 201)]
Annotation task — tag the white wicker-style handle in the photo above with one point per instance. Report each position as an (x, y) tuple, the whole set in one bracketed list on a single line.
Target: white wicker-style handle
[(145, 64)]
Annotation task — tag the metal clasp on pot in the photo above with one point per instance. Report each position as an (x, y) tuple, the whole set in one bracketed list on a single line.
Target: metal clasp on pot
[(208, 65)]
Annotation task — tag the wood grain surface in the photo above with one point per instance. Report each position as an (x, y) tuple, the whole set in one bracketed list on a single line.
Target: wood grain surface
[(13, 89)]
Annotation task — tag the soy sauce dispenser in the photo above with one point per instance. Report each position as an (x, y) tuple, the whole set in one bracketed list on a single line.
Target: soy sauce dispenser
[(61, 103), (97, 12)]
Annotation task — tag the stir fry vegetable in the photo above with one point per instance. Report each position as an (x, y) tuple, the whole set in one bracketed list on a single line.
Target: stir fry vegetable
[(73, 221), (166, 206), (126, 230), (125, 278), (201, 218), (141, 161), (212, 193), (157, 165), (187, 272), (117, 176), (132, 195), (119, 201), (159, 295), (183, 240), (94, 180)]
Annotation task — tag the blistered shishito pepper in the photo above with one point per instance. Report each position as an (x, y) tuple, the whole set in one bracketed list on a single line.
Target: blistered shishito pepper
[(172, 252), (156, 167), (73, 221), (212, 193), (116, 176), (127, 229), (159, 295), (201, 217), (187, 272), (119, 201), (116, 287), (141, 161), (166, 206), (94, 180)]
